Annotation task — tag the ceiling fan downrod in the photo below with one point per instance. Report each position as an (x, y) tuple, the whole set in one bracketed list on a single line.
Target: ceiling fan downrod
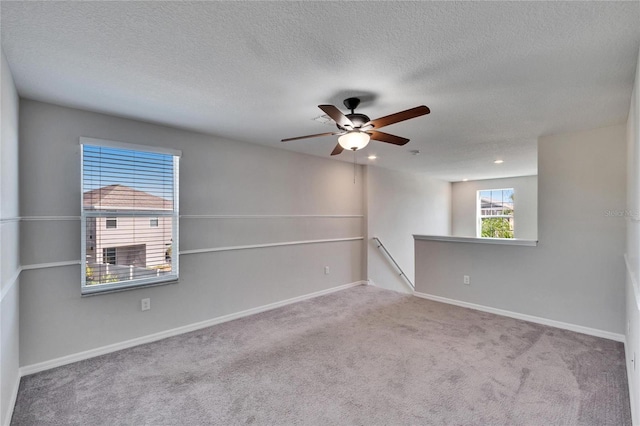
[(351, 104)]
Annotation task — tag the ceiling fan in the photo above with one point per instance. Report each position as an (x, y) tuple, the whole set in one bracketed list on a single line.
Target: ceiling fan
[(355, 130)]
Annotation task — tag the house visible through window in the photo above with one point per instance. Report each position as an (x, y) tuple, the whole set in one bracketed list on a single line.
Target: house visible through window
[(495, 213), (129, 215)]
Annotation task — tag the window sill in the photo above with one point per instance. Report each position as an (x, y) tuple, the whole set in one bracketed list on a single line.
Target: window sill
[(499, 241), (98, 292)]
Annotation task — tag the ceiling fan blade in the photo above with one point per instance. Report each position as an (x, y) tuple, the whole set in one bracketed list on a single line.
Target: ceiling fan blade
[(399, 116), (337, 150), (386, 137), (309, 136), (336, 115)]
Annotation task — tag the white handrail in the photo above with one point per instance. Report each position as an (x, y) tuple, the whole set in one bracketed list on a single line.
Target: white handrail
[(380, 245)]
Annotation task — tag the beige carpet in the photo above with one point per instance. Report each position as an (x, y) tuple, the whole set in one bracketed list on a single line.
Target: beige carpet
[(362, 356)]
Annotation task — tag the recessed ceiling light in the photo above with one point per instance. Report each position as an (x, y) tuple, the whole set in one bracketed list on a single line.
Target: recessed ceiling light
[(372, 157), (499, 161), (464, 180)]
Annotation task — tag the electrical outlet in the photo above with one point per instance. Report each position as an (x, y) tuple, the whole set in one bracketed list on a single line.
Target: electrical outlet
[(466, 280), (145, 304), (326, 270)]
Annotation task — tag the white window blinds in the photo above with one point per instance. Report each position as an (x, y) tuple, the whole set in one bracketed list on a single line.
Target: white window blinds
[(124, 189)]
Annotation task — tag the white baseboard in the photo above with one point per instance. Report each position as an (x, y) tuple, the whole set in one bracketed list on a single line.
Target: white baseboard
[(12, 402), (539, 320), (68, 359), (632, 391), (631, 344)]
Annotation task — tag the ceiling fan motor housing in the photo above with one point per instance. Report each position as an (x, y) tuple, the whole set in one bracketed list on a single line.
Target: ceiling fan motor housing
[(358, 121)]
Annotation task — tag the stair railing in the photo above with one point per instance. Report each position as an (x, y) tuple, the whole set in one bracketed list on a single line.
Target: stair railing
[(386, 252)]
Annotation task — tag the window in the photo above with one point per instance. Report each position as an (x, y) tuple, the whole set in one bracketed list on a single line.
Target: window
[(495, 213), (129, 215), (109, 255)]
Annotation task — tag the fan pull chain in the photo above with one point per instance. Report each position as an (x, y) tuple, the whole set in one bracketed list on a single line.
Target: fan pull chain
[(354, 166)]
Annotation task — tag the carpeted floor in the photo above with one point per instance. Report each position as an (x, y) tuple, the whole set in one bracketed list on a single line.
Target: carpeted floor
[(362, 356)]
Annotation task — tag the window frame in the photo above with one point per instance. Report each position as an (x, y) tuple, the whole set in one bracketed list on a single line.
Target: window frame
[(88, 214), (109, 253), (480, 216), (109, 219)]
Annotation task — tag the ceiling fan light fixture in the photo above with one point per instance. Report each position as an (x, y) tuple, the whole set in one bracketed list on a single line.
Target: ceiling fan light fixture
[(354, 140)]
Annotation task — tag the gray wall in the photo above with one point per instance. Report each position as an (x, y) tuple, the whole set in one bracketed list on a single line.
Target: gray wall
[(576, 273), (464, 205), (217, 177), (400, 204), (9, 241), (632, 345)]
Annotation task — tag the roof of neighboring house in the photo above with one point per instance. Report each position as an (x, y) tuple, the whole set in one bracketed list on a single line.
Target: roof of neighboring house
[(488, 203), (125, 198)]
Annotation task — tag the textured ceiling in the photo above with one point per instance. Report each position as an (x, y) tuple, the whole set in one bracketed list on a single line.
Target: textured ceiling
[(496, 75)]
